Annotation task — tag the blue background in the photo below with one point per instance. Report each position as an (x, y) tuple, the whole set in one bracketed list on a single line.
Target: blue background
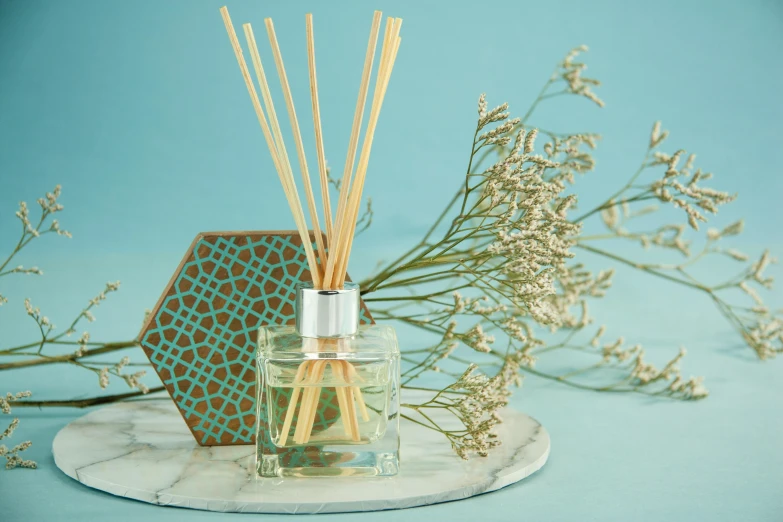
[(138, 110)]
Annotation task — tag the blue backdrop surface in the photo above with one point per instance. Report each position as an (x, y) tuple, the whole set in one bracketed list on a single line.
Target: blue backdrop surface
[(138, 110)]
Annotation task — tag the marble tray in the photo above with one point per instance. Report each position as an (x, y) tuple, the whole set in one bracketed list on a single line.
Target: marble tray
[(144, 451)]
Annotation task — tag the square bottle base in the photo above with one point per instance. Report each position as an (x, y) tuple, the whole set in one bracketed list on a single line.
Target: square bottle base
[(337, 461)]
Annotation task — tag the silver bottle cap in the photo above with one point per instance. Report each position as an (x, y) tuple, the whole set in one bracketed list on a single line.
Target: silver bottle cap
[(327, 313)]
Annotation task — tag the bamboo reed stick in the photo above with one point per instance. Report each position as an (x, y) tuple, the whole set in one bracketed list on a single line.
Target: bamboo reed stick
[(345, 218), (291, 197), (352, 146), (289, 416), (309, 401), (391, 44), (319, 139), (357, 392), (289, 101), (351, 235), (342, 398), (350, 377), (352, 415), (288, 176)]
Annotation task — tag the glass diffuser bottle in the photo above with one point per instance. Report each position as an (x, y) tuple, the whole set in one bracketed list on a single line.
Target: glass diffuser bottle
[(328, 391)]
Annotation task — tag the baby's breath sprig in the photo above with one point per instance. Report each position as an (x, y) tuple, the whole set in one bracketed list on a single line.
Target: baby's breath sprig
[(569, 77), (32, 230), (12, 458), (35, 353)]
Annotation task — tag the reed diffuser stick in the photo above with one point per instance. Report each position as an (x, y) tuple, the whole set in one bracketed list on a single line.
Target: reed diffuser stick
[(352, 145), (342, 397), (342, 249), (391, 43), (351, 235), (285, 163), (291, 195), (319, 139), (289, 101), (289, 416), (309, 401)]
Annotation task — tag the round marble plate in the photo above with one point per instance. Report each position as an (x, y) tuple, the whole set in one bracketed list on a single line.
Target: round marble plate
[(143, 450)]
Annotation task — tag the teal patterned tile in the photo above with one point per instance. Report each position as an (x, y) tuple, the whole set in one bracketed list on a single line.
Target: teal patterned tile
[(201, 335)]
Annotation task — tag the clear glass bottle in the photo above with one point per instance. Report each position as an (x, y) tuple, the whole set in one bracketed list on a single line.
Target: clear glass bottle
[(328, 391)]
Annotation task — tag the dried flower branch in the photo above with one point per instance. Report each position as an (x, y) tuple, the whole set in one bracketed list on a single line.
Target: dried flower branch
[(737, 297), (54, 347), (507, 243)]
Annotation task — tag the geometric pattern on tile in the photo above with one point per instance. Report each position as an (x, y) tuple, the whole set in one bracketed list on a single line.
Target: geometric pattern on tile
[(201, 335)]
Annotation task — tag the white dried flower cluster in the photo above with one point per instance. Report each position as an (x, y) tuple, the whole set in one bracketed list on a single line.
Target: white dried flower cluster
[(762, 329), (571, 71), (98, 299), (41, 320), (13, 460), (517, 212), (103, 377), (5, 402), (110, 287), (478, 409), (687, 194), (574, 284), (475, 305), (49, 205), (571, 155), (485, 118), (82, 344), (765, 336), (668, 236), (656, 136), (758, 268), (55, 227), (29, 271), (47, 327), (133, 380), (527, 216), (24, 215), (647, 373), (644, 376), (479, 340)]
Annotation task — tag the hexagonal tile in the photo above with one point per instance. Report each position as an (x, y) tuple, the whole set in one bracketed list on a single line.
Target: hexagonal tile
[(201, 335)]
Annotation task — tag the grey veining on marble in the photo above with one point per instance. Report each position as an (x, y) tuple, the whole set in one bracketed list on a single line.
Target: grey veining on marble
[(143, 451)]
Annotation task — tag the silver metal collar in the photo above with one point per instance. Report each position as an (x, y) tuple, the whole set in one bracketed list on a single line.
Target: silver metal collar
[(327, 313)]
